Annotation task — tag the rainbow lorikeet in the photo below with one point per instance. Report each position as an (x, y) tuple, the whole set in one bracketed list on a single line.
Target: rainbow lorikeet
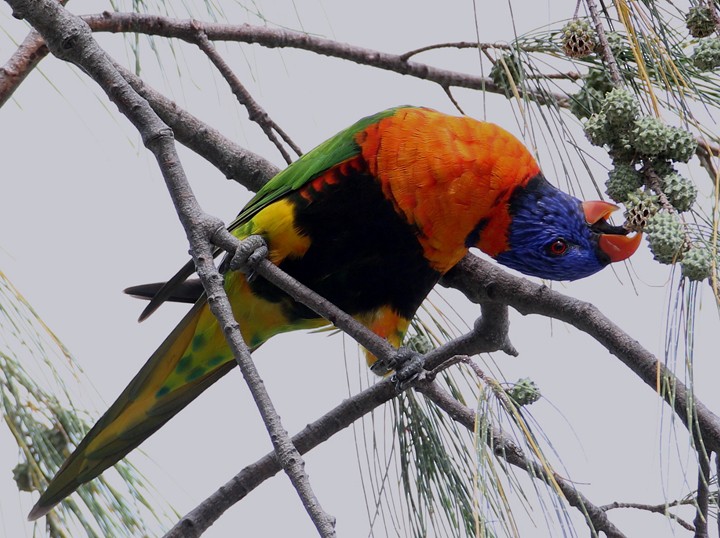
[(370, 219)]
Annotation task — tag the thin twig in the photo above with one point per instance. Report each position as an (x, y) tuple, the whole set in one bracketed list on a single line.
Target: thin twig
[(481, 282), (607, 52), (448, 92), (256, 112), (70, 39), (280, 38), (235, 162), (655, 509), (455, 45)]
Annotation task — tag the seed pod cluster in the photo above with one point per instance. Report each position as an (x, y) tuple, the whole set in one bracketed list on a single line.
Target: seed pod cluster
[(700, 21), (640, 207), (706, 55), (524, 392), (579, 38), (499, 73), (588, 100), (697, 263), (666, 236)]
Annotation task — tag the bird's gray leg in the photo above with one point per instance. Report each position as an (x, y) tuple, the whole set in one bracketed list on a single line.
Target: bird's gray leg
[(251, 251)]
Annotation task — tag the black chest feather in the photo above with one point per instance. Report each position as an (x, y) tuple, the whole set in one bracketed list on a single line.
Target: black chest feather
[(362, 256)]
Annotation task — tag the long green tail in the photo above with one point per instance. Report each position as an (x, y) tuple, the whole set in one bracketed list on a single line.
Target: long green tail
[(191, 359)]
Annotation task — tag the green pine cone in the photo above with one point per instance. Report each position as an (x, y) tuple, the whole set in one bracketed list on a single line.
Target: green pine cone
[(680, 191), (419, 343), (589, 99), (666, 236), (651, 136), (620, 108), (681, 145), (706, 55), (697, 263), (623, 180), (597, 130), (499, 75), (524, 392), (618, 46)]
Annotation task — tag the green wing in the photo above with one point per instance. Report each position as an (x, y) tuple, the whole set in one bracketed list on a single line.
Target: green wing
[(333, 151)]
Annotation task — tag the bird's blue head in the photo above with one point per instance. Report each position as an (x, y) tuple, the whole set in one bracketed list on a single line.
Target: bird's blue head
[(555, 236)]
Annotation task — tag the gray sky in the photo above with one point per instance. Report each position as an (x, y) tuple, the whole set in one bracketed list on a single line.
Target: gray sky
[(84, 213)]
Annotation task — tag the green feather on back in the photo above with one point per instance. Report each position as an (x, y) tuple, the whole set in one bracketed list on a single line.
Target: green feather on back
[(332, 152)]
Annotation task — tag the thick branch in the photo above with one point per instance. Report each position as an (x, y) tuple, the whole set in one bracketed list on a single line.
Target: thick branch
[(481, 281), (70, 39), (237, 163), (703, 495), (281, 38)]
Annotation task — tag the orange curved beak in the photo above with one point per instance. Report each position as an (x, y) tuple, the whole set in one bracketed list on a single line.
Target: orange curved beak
[(613, 241)]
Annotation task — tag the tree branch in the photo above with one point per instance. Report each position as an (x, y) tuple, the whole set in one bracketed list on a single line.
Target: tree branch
[(280, 38), (489, 334), (235, 162), (503, 447), (255, 112), (25, 58), (655, 509), (703, 495), (481, 281), (472, 275), (70, 39), (607, 53)]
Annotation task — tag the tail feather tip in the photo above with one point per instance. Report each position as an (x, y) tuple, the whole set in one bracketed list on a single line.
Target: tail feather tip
[(39, 510)]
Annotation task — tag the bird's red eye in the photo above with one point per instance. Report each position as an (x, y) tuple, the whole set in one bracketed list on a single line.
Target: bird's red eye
[(557, 247)]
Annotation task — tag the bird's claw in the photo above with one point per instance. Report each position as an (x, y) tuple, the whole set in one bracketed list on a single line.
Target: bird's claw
[(251, 251), (408, 366)]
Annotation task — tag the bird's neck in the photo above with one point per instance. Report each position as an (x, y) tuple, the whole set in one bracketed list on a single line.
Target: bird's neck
[(449, 177)]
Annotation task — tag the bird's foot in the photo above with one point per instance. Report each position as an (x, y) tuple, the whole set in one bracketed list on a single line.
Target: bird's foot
[(251, 251), (408, 365)]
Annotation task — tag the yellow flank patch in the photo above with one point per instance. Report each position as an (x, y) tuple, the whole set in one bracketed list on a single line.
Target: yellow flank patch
[(276, 223), (260, 319)]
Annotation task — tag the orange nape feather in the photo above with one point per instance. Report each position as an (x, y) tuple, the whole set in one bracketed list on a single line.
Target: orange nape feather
[(446, 175)]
